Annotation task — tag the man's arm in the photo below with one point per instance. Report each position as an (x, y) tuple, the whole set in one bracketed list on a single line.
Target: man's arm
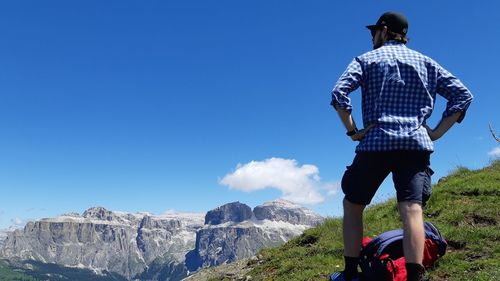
[(444, 125), (348, 82), (458, 96), (346, 119)]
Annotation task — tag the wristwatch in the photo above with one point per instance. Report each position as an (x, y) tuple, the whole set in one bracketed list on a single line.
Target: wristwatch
[(352, 133)]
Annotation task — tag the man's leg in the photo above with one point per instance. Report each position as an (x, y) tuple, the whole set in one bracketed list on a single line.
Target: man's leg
[(413, 238), (359, 184), (352, 228), (412, 178), (413, 229), (352, 231)]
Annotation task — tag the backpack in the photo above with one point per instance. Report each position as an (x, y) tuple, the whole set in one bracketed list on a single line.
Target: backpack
[(382, 257)]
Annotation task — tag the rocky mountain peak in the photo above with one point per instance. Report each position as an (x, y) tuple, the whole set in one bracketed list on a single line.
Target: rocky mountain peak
[(283, 210), (231, 212), (99, 213), (282, 203), (270, 224)]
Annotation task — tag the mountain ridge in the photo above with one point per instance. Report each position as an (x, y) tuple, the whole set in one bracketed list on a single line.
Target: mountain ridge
[(141, 245)]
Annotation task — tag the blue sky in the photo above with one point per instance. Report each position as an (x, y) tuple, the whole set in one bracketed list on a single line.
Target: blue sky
[(152, 105)]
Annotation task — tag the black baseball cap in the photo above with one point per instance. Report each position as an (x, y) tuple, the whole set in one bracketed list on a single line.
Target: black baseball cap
[(395, 22)]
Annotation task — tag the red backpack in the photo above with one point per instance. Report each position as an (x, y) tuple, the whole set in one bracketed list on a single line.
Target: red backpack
[(382, 257)]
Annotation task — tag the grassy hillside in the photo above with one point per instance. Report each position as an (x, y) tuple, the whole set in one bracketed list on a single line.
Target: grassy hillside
[(8, 274), (37, 271), (465, 206)]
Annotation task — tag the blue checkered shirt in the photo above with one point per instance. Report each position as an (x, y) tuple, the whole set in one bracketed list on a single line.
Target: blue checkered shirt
[(398, 87)]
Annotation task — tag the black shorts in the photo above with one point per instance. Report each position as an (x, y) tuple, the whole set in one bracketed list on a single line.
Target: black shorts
[(410, 170)]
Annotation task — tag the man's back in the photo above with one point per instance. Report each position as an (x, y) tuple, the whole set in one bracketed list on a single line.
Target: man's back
[(399, 87)]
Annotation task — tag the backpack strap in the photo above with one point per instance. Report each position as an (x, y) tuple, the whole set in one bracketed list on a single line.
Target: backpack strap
[(378, 244), (398, 236), (433, 233)]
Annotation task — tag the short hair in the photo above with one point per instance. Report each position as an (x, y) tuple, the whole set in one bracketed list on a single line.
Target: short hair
[(398, 37)]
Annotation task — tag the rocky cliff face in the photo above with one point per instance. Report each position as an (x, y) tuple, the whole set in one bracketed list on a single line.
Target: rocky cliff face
[(104, 240), (233, 212), (3, 235), (286, 211), (146, 247), (226, 240)]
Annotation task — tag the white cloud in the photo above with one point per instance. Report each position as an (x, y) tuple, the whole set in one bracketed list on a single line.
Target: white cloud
[(18, 222), (300, 184), (332, 188), (169, 212), (495, 152)]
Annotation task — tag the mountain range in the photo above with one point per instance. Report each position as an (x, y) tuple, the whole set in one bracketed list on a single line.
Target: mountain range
[(142, 246)]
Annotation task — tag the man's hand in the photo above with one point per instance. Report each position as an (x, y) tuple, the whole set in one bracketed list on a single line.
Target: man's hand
[(361, 133), (443, 126)]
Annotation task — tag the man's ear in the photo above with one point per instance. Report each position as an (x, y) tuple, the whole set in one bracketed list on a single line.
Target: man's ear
[(384, 32)]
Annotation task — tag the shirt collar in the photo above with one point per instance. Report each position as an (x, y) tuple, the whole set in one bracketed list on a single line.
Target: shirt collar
[(392, 43)]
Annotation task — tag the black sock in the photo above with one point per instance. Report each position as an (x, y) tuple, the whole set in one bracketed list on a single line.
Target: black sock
[(351, 267), (414, 271)]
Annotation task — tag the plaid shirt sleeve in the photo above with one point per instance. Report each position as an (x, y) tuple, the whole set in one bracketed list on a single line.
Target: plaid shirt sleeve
[(347, 83), (452, 89)]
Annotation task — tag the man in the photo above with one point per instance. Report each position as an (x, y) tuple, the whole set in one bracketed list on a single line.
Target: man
[(399, 87)]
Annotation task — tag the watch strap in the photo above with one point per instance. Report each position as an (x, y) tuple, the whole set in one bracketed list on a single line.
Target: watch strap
[(352, 133)]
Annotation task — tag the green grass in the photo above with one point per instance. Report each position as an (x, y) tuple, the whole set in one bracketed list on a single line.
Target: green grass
[(8, 274), (17, 271), (464, 206)]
